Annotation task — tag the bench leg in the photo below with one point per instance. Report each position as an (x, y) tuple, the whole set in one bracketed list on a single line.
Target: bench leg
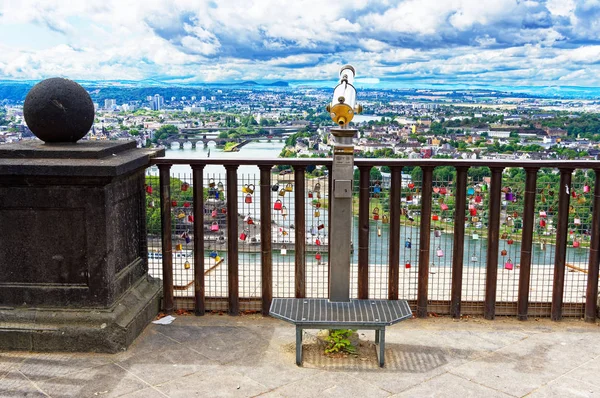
[(298, 346), (380, 346)]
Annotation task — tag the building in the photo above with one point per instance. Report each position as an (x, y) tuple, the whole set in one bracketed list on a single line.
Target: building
[(157, 103), (110, 104)]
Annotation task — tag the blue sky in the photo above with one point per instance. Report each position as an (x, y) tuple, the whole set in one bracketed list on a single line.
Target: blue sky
[(487, 42)]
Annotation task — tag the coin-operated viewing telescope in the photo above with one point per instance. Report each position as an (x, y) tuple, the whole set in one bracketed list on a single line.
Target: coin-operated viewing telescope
[(343, 106)]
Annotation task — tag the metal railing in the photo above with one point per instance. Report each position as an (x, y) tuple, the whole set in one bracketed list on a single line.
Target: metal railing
[(458, 237)]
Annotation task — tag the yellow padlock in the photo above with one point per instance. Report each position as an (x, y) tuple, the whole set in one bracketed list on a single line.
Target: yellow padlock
[(288, 188), (385, 219), (179, 246), (317, 213), (282, 192)]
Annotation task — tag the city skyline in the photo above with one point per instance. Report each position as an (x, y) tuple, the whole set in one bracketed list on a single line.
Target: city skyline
[(496, 43)]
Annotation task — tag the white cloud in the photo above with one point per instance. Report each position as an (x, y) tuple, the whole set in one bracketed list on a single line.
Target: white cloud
[(507, 41)]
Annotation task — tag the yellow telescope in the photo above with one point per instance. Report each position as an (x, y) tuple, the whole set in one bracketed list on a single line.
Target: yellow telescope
[(343, 107)]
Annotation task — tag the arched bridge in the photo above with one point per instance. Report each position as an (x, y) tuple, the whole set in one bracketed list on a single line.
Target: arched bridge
[(206, 138)]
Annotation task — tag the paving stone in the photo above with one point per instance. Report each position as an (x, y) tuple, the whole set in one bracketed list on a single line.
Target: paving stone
[(226, 344), (273, 368), (166, 364), (105, 381), (217, 381), (566, 387), (509, 375), (10, 361), (407, 366), (587, 372), (559, 353), (450, 386), (149, 392), (331, 384), (42, 366), (14, 384)]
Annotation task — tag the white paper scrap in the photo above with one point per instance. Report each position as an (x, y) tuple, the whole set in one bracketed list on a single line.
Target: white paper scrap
[(167, 320)]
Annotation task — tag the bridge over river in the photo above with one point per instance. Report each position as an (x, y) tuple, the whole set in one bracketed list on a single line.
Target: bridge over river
[(193, 136)]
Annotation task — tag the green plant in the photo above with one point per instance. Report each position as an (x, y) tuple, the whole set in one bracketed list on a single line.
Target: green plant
[(339, 342)]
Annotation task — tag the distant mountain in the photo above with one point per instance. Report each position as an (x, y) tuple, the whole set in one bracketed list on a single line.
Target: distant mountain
[(125, 90)]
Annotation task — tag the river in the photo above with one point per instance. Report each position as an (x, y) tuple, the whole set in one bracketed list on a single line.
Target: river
[(474, 249)]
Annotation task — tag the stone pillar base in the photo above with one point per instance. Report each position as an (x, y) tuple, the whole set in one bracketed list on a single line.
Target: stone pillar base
[(107, 330)]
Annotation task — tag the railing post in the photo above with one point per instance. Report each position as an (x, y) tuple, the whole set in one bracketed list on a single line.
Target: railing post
[(424, 241), (199, 290), (394, 243), (363, 231), (167, 245), (329, 198), (232, 240), (266, 244), (491, 279), (591, 295), (526, 242), (561, 243), (459, 241), (300, 230)]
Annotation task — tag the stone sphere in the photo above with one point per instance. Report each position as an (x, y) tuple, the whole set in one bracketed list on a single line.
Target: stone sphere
[(58, 110)]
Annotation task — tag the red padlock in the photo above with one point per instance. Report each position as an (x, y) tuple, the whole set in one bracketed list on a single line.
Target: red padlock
[(185, 186), (318, 241), (277, 205), (191, 218), (321, 226), (248, 198), (408, 198), (213, 213), (435, 217), (510, 241), (310, 194), (149, 189), (411, 185), (575, 243), (573, 194), (478, 199), (407, 265), (174, 203), (224, 210), (542, 223), (318, 256), (473, 212), (375, 217), (250, 221), (443, 191), (186, 204), (243, 235)]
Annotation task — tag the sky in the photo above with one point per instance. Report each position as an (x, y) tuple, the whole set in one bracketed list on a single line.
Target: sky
[(487, 42)]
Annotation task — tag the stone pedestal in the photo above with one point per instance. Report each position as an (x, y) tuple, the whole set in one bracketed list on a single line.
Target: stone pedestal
[(73, 251)]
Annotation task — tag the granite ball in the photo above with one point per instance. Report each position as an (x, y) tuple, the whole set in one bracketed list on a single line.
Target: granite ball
[(58, 110)]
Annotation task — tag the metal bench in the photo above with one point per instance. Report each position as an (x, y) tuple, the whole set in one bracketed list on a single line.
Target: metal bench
[(355, 314)]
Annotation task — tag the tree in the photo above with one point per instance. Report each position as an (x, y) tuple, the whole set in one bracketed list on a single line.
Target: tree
[(224, 134), (165, 131)]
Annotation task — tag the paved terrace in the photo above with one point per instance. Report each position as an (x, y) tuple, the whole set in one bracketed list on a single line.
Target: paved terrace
[(249, 356)]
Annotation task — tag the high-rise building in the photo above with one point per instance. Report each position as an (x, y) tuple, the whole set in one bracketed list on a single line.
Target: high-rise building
[(110, 103), (157, 102)]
